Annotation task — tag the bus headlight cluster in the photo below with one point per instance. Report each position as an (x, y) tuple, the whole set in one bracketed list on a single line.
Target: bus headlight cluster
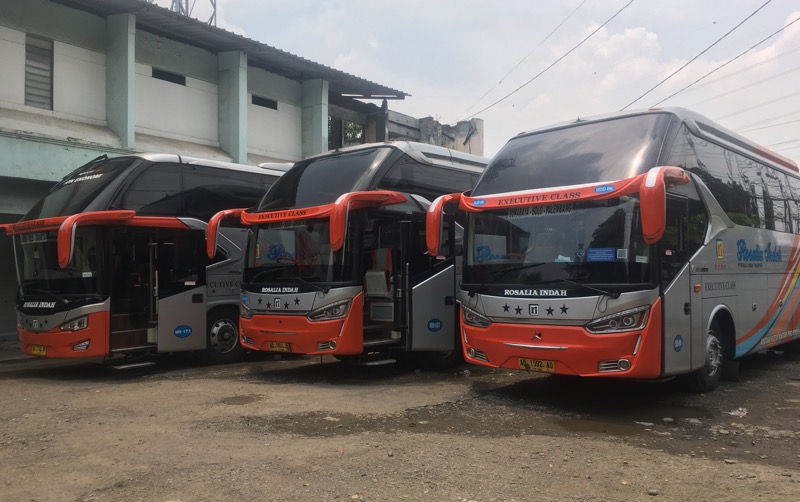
[(329, 312), (245, 312), (473, 318), (627, 320), (75, 324)]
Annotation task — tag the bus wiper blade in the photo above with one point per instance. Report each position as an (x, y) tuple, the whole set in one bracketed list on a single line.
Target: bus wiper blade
[(50, 294), (318, 288), (613, 295), (498, 274)]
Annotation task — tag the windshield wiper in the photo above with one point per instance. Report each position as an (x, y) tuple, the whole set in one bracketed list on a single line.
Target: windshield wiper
[(613, 295), (49, 294), (324, 290), (498, 274), (258, 274)]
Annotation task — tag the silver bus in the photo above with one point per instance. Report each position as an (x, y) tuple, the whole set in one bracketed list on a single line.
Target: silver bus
[(336, 259), (111, 261), (648, 244)]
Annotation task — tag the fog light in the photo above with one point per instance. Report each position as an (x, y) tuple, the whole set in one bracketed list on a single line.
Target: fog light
[(84, 345), (332, 344), (624, 364), (471, 352), (247, 340)]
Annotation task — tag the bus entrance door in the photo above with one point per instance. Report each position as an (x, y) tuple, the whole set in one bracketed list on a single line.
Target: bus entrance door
[(681, 306), (432, 290), (180, 271)]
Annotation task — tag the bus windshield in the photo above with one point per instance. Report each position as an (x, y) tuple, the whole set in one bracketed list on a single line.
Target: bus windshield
[(581, 153), (590, 242), (74, 193), (296, 250), (321, 181), (41, 277)]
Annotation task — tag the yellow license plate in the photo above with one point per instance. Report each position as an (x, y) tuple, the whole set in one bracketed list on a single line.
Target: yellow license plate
[(541, 365), (39, 350), (279, 346)]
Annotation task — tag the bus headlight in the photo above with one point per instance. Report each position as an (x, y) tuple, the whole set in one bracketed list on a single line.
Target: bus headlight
[(473, 318), (627, 320), (75, 324), (330, 312), (245, 312)]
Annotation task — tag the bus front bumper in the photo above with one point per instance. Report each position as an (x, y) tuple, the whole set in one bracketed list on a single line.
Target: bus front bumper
[(297, 334), (89, 342), (567, 350)]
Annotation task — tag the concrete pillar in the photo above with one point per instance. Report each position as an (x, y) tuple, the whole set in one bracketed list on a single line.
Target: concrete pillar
[(121, 76), (314, 117), (232, 114)]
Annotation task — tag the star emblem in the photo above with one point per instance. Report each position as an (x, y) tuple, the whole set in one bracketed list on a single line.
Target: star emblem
[(297, 301), (505, 307), (564, 309), (518, 310), (286, 305), (549, 310), (259, 301)]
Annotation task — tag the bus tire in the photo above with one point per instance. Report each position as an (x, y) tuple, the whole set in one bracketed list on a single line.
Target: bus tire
[(222, 336), (707, 378)]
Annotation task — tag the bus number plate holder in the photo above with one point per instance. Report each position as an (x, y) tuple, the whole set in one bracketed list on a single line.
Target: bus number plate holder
[(39, 350), (279, 346), (539, 365)]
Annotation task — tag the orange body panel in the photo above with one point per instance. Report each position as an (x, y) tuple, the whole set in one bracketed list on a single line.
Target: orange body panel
[(584, 351), (303, 335), (59, 343)]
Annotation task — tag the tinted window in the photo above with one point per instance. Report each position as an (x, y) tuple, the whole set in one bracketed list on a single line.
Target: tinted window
[(156, 192), (582, 153), (323, 180), (408, 175), (209, 190), (79, 189)]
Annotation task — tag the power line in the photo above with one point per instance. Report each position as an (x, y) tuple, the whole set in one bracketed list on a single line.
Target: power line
[(697, 56), (526, 57), (555, 62), (767, 126), (728, 61), (771, 101), (737, 89)]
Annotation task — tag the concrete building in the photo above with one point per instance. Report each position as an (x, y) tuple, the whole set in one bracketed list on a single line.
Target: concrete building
[(82, 78)]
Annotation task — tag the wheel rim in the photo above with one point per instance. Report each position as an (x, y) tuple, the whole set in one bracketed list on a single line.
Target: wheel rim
[(223, 336), (713, 354)]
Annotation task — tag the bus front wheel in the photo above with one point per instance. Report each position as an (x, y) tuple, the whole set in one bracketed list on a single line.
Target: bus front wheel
[(222, 338), (707, 378)]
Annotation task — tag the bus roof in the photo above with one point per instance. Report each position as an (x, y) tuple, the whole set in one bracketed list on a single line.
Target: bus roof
[(274, 168), (425, 153), (700, 125)]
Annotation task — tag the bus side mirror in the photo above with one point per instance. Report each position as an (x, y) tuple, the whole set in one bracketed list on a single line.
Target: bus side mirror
[(654, 199), (433, 221), (213, 228)]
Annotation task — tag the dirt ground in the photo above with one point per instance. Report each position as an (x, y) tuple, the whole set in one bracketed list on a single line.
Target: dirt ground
[(316, 429)]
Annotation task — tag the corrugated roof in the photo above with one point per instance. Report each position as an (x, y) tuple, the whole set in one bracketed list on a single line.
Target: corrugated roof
[(163, 22)]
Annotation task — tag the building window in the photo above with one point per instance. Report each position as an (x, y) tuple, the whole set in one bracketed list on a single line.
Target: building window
[(169, 76), (265, 102), (38, 72)]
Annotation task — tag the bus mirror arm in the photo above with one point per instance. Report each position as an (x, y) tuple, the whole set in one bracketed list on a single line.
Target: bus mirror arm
[(653, 199), (433, 221), (213, 229), (66, 232)]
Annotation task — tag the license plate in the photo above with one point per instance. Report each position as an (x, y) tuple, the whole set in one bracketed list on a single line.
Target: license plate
[(39, 350), (279, 346), (540, 365)]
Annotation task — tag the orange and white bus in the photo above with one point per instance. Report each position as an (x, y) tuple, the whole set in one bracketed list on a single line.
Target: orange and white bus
[(637, 245), (111, 262), (336, 258)]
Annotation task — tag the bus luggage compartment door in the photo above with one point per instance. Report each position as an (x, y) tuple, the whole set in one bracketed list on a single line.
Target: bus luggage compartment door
[(181, 273)]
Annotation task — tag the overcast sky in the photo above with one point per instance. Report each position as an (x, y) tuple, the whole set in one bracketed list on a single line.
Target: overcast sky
[(456, 58)]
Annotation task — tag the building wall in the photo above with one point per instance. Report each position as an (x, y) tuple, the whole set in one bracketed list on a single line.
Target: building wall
[(275, 133), (81, 93)]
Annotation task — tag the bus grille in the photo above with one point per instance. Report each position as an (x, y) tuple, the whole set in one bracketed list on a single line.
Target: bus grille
[(326, 346), (480, 356), (608, 366)]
